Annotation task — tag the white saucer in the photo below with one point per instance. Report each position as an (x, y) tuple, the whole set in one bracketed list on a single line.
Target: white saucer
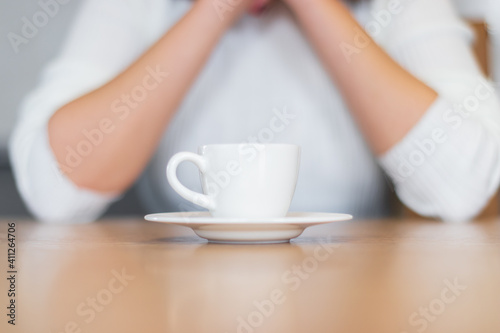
[(247, 230)]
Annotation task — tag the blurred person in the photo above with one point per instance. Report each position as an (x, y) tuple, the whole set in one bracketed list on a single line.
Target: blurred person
[(364, 87)]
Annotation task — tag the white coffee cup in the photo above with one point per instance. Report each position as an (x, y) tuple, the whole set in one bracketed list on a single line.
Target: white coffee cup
[(241, 180)]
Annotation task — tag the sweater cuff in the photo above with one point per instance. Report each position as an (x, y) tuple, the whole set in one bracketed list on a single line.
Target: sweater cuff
[(53, 197), (418, 164), (418, 144)]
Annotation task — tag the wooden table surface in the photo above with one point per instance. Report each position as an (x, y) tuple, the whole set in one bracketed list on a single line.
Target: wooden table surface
[(360, 276)]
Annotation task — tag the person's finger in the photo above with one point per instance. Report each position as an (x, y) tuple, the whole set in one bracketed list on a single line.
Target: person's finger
[(258, 6)]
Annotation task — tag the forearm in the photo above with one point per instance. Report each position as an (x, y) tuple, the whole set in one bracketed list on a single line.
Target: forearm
[(385, 100), (137, 125)]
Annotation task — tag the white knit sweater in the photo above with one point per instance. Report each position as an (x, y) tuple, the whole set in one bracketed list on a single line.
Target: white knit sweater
[(263, 71)]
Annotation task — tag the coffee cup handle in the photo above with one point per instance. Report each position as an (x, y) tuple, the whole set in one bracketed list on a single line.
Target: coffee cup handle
[(199, 199)]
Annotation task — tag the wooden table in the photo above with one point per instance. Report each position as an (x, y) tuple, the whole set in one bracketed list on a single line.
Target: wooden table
[(360, 276)]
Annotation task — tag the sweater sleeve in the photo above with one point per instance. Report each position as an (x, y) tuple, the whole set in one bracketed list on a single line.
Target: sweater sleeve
[(448, 165), (104, 39)]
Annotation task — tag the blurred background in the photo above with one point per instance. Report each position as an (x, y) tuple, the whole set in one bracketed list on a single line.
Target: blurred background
[(19, 72)]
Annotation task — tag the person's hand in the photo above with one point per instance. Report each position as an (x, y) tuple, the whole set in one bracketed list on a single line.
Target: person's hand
[(230, 11), (258, 6)]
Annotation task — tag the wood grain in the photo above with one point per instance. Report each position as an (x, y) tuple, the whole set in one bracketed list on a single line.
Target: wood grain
[(359, 276)]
